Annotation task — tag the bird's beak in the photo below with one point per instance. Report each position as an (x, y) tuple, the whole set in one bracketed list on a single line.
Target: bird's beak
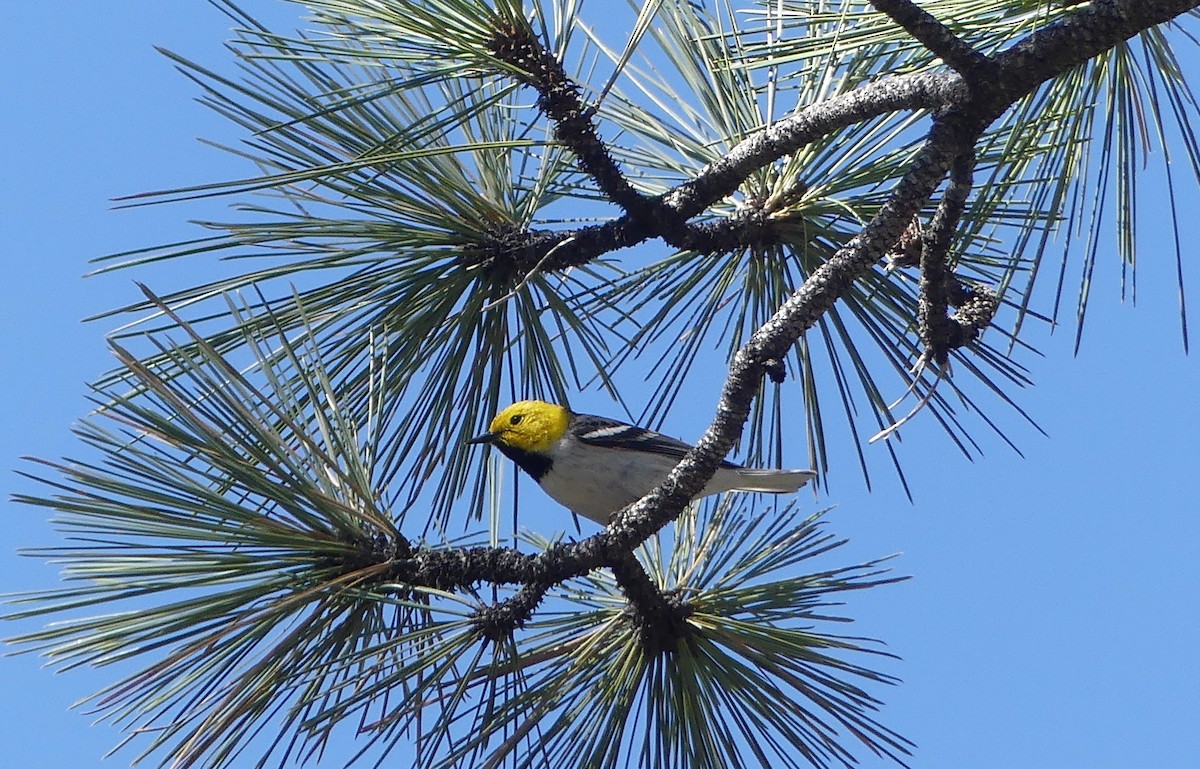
[(485, 438)]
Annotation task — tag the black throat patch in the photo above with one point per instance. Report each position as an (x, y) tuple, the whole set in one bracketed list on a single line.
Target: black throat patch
[(536, 465)]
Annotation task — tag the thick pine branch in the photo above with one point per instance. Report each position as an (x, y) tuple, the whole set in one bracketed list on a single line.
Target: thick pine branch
[(553, 252), (559, 98), (995, 84), (938, 39)]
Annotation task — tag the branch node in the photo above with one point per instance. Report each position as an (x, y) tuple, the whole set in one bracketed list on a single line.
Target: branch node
[(658, 616), (776, 370), (663, 631), (907, 251)]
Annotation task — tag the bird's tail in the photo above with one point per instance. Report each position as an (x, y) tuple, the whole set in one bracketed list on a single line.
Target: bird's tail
[(771, 481)]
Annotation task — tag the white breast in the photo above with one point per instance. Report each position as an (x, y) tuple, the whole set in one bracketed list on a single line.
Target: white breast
[(596, 482)]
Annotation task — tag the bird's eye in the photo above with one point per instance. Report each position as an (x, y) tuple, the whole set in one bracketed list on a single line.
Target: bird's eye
[(516, 419)]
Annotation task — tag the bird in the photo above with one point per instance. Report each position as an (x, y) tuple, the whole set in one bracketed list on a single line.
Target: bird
[(594, 466)]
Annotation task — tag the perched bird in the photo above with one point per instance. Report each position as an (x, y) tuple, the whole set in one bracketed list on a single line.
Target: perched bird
[(596, 466)]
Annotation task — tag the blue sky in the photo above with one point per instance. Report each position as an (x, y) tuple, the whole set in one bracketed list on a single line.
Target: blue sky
[(1052, 618)]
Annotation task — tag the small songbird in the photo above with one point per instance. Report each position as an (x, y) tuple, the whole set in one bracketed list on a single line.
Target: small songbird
[(595, 466)]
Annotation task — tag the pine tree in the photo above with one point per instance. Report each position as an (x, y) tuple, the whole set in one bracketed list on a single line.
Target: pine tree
[(461, 203)]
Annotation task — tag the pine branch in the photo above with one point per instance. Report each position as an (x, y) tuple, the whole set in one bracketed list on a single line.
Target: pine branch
[(554, 252), (1049, 52), (559, 98), (938, 38), (938, 286), (660, 618)]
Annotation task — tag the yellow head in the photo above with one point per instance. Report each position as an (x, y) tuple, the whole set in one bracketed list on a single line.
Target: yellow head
[(530, 426)]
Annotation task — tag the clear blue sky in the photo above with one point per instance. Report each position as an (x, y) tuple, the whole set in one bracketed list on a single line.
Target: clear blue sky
[(1053, 618)]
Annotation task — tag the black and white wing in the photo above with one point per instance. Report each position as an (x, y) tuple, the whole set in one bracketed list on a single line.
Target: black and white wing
[(609, 433)]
